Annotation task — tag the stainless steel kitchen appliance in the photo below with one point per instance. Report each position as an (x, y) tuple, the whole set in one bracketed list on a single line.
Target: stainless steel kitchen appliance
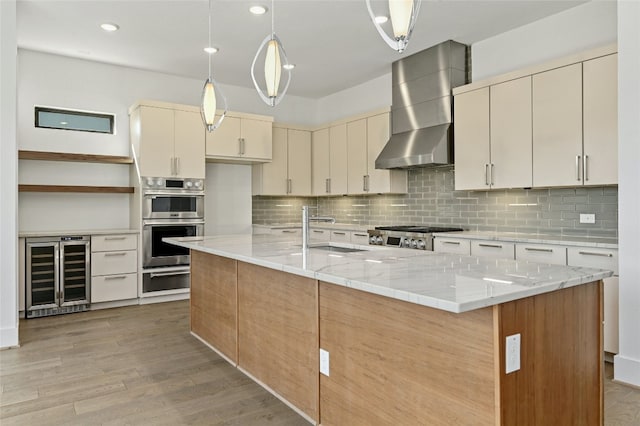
[(419, 237), (58, 275), (170, 208)]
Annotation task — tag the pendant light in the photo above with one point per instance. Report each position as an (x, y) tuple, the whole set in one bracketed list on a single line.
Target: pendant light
[(403, 15), (275, 61), (209, 95)]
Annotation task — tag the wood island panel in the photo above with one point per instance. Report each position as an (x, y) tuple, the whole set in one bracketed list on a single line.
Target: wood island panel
[(278, 333), (561, 373), (398, 363), (214, 302)]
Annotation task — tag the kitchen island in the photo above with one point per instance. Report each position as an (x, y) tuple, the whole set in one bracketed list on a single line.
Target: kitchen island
[(392, 336)]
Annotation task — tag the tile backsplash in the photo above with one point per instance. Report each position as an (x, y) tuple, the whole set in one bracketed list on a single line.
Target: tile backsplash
[(432, 200)]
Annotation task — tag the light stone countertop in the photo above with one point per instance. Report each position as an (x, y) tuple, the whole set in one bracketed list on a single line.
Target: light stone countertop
[(443, 281), (517, 237), (49, 233)]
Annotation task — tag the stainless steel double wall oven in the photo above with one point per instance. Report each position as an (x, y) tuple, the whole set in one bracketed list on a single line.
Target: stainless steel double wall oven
[(170, 208)]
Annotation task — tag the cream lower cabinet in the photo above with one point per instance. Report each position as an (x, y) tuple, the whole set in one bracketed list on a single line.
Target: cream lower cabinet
[(114, 267), (452, 245), (493, 136), (289, 173), (243, 138), (493, 249), (365, 139), (168, 139)]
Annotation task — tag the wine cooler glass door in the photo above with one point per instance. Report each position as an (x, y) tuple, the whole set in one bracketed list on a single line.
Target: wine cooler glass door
[(74, 272), (42, 275)]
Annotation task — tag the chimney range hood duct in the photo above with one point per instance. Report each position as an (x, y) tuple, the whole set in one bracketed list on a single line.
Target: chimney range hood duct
[(421, 110)]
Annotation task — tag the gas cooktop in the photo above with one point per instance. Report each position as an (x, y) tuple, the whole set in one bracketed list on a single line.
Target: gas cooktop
[(418, 228)]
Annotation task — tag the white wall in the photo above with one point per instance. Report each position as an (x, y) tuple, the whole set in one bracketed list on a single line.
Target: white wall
[(577, 29), (8, 178), (627, 362), (227, 207)]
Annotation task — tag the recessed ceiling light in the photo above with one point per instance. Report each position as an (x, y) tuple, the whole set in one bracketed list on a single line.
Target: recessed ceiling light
[(258, 10), (381, 19), (64, 123), (289, 66), (109, 27), (211, 50)]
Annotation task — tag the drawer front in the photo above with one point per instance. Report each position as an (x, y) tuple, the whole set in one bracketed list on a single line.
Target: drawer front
[(541, 253), (451, 245), (291, 232), (114, 287), (493, 249), (341, 236), (319, 234), (114, 262), (114, 242), (593, 258), (361, 238)]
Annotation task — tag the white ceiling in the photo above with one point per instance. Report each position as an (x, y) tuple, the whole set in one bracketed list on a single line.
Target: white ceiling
[(332, 42)]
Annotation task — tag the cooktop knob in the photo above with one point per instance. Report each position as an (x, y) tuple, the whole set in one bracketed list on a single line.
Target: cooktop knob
[(421, 244), (150, 182), (414, 243), (189, 184), (198, 184)]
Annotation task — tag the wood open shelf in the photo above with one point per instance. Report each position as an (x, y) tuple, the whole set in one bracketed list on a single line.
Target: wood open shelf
[(69, 156), (77, 188)]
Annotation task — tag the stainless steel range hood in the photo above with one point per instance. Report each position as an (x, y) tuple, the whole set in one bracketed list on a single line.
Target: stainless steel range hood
[(421, 110)]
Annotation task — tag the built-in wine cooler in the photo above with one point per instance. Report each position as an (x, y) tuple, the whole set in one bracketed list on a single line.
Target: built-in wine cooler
[(58, 275)]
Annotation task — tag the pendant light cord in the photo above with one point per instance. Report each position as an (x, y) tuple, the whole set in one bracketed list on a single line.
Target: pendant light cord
[(210, 39), (273, 14)]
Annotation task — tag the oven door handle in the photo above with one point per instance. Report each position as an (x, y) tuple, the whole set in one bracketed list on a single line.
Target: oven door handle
[(148, 193), (171, 222), (168, 274)]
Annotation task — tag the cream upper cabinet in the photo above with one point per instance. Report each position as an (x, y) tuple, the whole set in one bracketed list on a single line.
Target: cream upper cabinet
[(357, 156), (510, 130), (168, 140), (493, 136), (557, 127), (299, 162), (289, 173), (600, 103), (242, 138), (320, 171), (338, 160), (472, 152), (381, 181)]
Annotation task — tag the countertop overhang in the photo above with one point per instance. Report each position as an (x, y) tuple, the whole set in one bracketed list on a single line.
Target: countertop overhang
[(448, 282)]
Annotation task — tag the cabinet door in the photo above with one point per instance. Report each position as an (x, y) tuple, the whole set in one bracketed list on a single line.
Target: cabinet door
[(189, 144), (493, 249), (511, 157), (299, 162), (338, 160), (320, 162), (600, 93), (557, 127), (257, 137), (225, 140), (156, 141), (273, 179), (452, 246), (471, 118), (357, 156)]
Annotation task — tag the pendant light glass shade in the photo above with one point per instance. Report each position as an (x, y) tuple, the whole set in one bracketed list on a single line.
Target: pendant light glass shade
[(275, 58), (209, 101), (403, 14)]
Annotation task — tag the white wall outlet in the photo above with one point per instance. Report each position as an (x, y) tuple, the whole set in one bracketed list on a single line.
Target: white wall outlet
[(324, 362), (513, 353), (587, 218)]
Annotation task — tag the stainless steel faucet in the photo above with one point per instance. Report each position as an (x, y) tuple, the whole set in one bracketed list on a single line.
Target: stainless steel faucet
[(305, 224)]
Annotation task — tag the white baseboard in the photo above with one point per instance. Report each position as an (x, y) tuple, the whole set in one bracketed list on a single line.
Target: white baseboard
[(626, 370)]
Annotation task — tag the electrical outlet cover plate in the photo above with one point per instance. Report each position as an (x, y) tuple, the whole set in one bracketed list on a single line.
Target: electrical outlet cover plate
[(324, 362), (512, 358), (587, 218)]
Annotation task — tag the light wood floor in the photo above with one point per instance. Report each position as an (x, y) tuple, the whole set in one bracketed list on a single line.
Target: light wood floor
[(139, 365)]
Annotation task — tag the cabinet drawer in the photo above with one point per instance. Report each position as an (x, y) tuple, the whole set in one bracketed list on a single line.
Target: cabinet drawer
[(541, 253), (340, 236), (493, 249), (593, 258), (319, 234), (114, 262), (114, 287), (291, 232), (361, 238), (114, 242), (453, 246)]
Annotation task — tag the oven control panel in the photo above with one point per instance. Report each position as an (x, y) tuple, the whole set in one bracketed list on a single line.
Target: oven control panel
[(172, 184), (412, 241)]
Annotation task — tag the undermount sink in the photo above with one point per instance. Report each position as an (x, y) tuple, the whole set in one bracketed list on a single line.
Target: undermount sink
[(337, 249)]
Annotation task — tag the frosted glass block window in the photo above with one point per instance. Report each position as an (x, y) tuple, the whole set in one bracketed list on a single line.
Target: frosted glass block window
[(81, 121)]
